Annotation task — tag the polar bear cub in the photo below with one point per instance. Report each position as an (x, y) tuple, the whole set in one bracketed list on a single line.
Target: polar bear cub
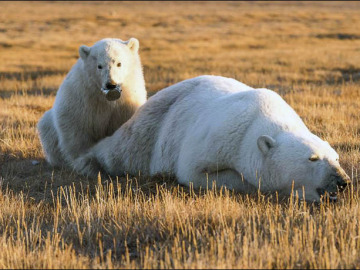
[(215, 128), (100, 93)]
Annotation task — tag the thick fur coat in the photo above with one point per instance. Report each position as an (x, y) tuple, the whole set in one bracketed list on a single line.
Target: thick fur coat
[(215, 128), (82, 114)]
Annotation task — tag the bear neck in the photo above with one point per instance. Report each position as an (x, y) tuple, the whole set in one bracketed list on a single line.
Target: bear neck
[(252, 162)]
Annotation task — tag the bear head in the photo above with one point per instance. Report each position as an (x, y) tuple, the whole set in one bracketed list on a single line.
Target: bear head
[(108, 63), (302, 163)]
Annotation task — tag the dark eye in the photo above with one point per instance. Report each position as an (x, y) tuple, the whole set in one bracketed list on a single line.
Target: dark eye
[(99, 66), (119, 64), (314, 158)]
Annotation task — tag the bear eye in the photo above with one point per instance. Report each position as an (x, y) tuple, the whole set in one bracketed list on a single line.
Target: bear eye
[(118, 64), (99, 66), (314, 158)]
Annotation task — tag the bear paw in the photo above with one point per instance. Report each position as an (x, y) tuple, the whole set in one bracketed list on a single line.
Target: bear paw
[(87, 165)]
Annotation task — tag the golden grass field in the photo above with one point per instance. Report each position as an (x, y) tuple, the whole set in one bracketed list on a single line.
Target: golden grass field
[(309, 52)]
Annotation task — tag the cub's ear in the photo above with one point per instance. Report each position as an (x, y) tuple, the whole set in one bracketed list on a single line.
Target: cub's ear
[(265, 142), (84, 51), (133, 44)]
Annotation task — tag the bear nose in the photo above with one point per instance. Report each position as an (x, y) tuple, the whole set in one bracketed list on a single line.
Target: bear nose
[(343, 183), (342, 180), (110, 86)]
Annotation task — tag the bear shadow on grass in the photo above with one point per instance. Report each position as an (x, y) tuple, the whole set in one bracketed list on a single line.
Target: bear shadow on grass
[(40, 182)]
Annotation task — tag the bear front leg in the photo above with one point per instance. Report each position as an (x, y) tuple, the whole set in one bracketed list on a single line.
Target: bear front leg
[(49, 139), (223, 177), (311, 196), (74, 141)]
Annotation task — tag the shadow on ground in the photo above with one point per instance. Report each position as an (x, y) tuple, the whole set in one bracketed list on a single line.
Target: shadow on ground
[(30, 74), (40, 182), (27, 75)]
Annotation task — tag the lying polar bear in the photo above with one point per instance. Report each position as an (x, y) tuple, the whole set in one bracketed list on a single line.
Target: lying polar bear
[(215, 128), (100, 93)]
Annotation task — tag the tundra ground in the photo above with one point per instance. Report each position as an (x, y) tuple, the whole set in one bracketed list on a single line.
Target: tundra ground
[(309, 52)]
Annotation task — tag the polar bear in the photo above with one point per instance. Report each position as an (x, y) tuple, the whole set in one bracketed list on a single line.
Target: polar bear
[(101, 92), (215, 128)]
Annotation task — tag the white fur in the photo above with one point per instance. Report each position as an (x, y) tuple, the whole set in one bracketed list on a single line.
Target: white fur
[(81, 114), (215, 128)]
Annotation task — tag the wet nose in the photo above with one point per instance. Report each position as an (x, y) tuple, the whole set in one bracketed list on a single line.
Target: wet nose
[(343, 180), (110, 86)]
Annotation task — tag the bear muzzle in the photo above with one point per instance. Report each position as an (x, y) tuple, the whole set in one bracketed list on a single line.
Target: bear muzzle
[(342, 180), (112, 92), (338, 181)]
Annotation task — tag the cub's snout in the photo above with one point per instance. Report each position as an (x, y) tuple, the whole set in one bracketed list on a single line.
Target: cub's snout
[(111, 86), (112, 91)]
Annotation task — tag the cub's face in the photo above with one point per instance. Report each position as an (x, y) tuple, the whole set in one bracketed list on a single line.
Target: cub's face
[(305, 161), (108, 64)]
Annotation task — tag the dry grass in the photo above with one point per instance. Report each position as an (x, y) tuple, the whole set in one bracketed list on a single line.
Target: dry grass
[(309, 52)]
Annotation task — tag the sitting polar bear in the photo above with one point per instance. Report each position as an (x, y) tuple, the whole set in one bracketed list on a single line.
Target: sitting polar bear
[(100, 93), (215, 128)]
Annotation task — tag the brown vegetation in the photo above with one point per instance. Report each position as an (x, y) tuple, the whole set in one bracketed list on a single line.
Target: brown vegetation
[(309, 52)]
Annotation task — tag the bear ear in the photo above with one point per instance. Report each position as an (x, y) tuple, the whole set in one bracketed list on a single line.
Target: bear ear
[(133, 44), (84, 51), (264, 143)]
